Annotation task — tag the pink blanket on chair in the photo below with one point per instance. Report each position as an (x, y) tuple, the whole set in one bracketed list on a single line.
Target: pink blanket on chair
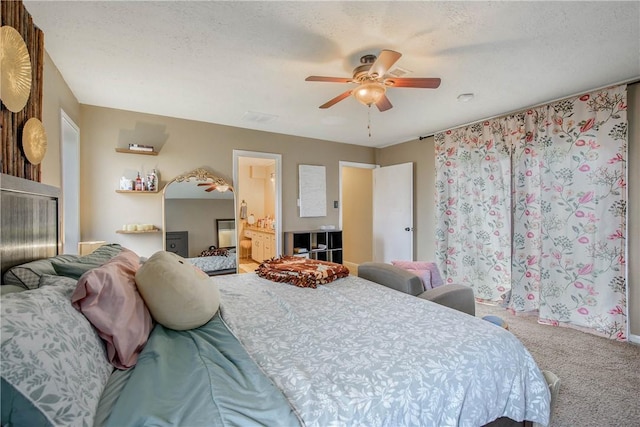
[(427, 272)]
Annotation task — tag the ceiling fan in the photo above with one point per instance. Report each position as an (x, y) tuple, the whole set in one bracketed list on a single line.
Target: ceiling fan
[(213, 186), (372, 80)]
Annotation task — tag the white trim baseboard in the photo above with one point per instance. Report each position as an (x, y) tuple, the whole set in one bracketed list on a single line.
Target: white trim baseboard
[(634, 338)]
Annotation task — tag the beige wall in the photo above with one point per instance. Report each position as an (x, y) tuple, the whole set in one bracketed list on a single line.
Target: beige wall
[(256, 189), (56, 96), (186, 145), (422, 154)]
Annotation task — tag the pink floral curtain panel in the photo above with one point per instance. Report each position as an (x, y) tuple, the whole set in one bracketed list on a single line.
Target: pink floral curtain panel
[(532, 207)]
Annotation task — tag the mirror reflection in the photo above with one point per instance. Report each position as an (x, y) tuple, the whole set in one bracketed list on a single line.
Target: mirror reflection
[(199, 224)]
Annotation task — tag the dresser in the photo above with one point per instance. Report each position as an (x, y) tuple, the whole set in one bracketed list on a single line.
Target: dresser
[(178, 243)]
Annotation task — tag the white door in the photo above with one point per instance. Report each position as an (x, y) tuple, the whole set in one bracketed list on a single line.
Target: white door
[(393, 213), (70, 184)]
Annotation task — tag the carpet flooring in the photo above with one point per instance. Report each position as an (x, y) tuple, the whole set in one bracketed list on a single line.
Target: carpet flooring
[(599, 378)]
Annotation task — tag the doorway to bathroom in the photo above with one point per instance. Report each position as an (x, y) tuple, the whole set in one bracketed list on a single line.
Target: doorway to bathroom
[(257, 183)]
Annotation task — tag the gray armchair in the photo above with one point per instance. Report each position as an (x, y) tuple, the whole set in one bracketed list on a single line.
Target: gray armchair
[(455, 296)]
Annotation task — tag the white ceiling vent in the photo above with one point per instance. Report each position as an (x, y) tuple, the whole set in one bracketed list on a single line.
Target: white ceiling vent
[(399, 72), (253, 116)]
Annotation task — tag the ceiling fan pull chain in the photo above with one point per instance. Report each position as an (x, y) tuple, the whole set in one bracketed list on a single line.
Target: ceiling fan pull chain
[(369, 120)]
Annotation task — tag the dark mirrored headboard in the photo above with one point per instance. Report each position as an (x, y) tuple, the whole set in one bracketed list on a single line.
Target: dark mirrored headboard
[(29, 221)]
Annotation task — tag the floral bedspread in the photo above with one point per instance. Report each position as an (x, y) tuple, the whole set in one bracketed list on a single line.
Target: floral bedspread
[(354, 353)]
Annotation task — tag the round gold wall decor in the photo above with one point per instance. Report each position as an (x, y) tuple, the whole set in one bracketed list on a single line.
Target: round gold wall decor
[(34, 141), (15, 69)]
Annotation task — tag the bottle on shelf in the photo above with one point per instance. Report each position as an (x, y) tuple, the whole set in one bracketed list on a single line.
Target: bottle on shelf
[(151, 184), (139, 186)]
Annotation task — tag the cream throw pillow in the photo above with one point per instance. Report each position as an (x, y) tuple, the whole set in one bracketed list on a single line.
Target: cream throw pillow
[(178, 295)]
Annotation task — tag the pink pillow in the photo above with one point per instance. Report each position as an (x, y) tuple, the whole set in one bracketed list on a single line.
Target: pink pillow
[(109, 299), (427, 272)]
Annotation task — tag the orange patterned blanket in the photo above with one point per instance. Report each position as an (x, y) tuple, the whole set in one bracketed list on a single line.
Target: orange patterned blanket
[(302, 272)]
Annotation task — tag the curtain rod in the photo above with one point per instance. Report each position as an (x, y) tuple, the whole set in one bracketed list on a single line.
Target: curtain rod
[(627, 82)]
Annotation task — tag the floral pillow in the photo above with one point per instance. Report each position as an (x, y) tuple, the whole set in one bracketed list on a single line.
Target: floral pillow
[(54, 365), (427, 272)]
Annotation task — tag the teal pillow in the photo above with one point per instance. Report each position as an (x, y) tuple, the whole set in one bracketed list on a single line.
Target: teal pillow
[(72, 269), (87, 262), (27, 276), (101, 255)]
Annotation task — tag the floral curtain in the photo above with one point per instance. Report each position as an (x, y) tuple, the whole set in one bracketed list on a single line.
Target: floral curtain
[(556, 215), (473, 243)]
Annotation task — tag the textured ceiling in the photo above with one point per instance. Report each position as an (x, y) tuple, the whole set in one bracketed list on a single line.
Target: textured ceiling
[(244, 63)]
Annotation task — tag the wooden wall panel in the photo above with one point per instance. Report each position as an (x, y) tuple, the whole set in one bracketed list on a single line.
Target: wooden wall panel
[(13, 160)]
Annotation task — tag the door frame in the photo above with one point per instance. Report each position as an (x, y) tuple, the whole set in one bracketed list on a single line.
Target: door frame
[(237, 154)]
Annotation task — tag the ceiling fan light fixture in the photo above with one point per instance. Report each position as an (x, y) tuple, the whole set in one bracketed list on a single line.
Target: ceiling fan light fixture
[(369, 93)]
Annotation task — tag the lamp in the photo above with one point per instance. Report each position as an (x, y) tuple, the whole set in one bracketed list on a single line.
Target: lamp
[(369, 92), (222, 188)]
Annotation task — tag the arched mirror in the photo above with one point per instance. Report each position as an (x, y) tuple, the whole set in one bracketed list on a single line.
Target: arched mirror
[(199, 221)]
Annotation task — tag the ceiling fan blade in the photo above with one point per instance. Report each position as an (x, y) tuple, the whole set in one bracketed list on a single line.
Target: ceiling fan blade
[(336, 99), (328, 79), (384, 104), (203, 184), (210, 189), (385, 60), (417, 82)]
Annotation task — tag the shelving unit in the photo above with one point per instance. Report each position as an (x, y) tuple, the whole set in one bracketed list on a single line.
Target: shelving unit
[(323, 245), (144, 153)]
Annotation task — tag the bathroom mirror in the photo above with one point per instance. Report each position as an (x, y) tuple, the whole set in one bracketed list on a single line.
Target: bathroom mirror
[(198, 217)]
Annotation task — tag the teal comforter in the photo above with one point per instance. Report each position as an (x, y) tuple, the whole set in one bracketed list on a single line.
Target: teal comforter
[(199, 377)]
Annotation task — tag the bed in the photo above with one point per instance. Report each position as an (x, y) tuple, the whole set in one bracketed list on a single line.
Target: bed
[(349, 352), (215, 265)]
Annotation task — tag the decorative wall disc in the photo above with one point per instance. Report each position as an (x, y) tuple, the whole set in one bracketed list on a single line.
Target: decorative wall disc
[(15, 69), (34, 140)]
